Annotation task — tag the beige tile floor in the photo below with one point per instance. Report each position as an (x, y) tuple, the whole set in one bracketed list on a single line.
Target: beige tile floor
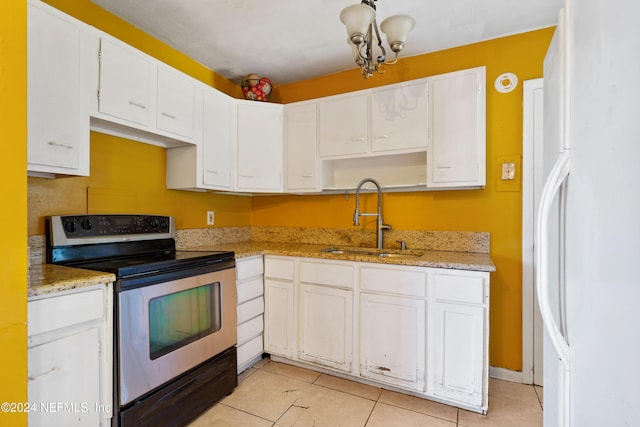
[(276, 394)]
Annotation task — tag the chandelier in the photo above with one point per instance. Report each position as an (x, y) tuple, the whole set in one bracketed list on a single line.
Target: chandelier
[(362, 28)]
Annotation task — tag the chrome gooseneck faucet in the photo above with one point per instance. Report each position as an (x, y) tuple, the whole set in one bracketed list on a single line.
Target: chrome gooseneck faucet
[(380, 226)]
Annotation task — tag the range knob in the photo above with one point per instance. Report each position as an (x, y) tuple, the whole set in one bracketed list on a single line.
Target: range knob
[(71, 226), (163, 223), (153, 223), (86, 224)]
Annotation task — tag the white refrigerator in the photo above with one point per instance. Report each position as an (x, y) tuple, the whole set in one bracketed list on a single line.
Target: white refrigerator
[(588, 227)]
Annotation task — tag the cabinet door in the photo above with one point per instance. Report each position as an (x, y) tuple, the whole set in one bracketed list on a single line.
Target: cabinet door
[(175, 103), (58, 93), (65, 372), (392, 340), (343, 125), (399, 117), (326, 326), (456, 153), (459, 352), (279, 298), (125, 82), (301, 153), (260, 142), (218, 137)]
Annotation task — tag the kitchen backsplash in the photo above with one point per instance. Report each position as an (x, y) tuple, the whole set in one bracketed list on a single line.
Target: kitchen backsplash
[(455, 241)]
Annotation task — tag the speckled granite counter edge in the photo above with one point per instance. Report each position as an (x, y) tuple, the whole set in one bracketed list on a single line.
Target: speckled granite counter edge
[(435, 259), (49, 279)]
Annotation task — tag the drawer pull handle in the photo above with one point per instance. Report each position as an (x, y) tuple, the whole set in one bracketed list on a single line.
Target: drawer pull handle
[(137, 104), (385, 136), (357, 139), (212, 171), (382, 368), (171, 116), (308, 176), (57, 144), (246, 176), (49, 372)]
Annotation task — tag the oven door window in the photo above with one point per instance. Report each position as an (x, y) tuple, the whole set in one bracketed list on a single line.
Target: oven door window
[(180, 318)]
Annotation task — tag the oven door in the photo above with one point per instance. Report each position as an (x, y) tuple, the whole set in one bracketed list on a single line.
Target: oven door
[(167, 328)]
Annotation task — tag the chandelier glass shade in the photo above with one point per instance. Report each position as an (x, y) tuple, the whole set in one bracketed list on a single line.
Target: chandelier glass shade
[(362, 28)]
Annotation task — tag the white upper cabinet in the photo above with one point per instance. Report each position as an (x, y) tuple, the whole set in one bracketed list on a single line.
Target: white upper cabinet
[(175, 101), (208, 165), (457, 146), (125, 82), (343, 125), (302, 168), (260, 147), (218, 140), (399, 117), (59, 54), (142, 99)]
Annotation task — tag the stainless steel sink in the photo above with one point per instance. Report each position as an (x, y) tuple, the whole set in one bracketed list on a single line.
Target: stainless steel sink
[(372, 252)]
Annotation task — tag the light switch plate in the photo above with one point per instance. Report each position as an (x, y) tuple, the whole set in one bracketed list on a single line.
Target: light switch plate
[(210, 217)]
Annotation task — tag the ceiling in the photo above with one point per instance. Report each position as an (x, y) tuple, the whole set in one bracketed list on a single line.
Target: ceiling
[(293, 40)]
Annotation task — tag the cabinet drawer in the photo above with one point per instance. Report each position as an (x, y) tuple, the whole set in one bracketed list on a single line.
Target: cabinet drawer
[(458, 287), (250, 329), (250, 267), (57, 312), (395, 281), (279, 268), (249, 351), (250, 290), (250, 309), (322, 273)]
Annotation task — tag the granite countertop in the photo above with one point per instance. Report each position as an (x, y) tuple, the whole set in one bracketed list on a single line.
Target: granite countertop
[(49, 278), (438, 259)]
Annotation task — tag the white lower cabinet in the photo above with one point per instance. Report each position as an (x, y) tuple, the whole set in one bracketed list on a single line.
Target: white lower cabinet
[(70, 358), (326, 324), (249, 282), (280, 297), (392, 340), (459, 336), (423, 330)]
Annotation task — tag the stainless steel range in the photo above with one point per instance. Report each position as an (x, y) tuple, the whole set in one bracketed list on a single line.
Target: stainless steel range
[(175, 313)]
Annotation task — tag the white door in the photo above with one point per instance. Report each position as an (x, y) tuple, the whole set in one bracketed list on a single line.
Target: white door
[(392, 340), (326, 326), (176, 103), (399, 117), (279, 301), (301, 152), (260, 146), (64, 376), (217, 138), (343, 125), (459, 352), (125, 76), (532, 183)]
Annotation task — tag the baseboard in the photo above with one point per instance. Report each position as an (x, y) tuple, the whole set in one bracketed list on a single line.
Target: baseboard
[(505, 374)]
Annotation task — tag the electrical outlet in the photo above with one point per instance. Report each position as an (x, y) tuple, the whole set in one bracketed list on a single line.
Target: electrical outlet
[(210, 217)]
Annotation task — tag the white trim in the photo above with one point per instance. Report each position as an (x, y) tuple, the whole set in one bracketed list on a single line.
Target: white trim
[(505, 374), (528, 220)]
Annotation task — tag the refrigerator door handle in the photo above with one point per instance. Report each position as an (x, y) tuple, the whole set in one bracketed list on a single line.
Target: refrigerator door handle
[(557, 176)]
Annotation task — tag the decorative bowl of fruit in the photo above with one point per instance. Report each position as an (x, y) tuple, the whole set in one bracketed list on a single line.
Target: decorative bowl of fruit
[(255, 88)]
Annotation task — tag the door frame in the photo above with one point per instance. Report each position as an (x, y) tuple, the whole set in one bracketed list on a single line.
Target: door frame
[(531, 178)]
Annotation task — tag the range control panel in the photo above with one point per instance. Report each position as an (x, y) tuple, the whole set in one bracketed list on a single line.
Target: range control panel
[(75, 229), (114, 225)]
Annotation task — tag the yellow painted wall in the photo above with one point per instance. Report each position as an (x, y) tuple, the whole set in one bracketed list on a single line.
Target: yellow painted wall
[(13, 188), (499, 212)]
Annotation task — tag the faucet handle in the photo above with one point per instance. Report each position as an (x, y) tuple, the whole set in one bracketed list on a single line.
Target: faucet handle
[(403, 244), (356, 217)]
